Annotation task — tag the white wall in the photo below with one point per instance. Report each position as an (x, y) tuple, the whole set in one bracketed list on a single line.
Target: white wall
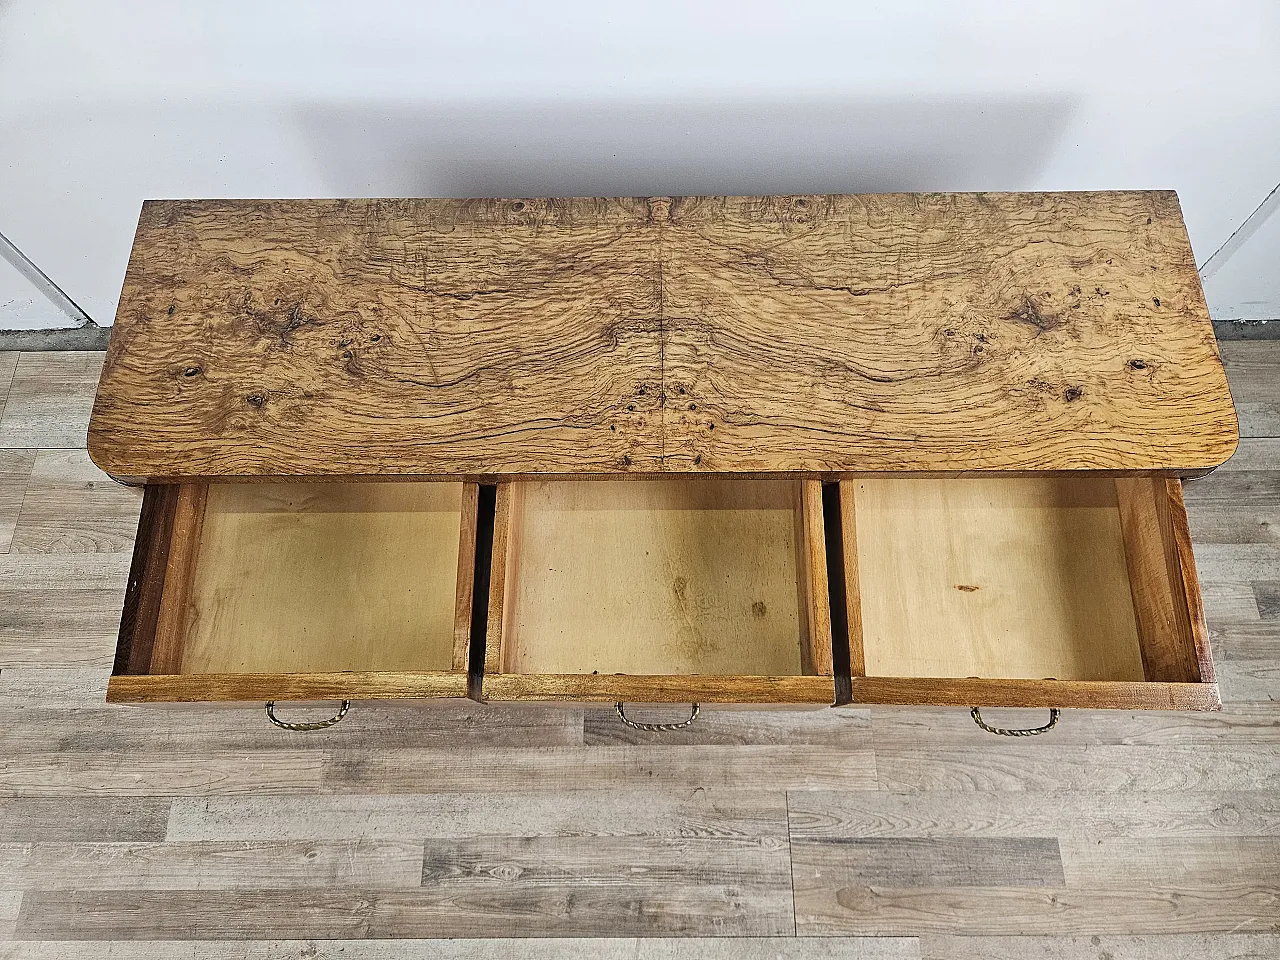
[(104, 104)]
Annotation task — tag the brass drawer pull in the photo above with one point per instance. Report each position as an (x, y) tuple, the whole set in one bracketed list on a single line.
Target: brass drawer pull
[(657, 727), (1054, 713), (303, 727)]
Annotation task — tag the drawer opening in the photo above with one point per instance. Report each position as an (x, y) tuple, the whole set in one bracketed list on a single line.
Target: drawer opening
[(597, 583), (1031, 578), (278, 580)]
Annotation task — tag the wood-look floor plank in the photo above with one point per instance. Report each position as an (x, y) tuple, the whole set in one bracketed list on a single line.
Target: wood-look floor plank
[(59, 628), (1237, 487), (64, 689), (1199, 861), (831, 904), (1243, 638), (50, 398), (1052, 767), (15, 471), (947, 728), (605, 812), (834, 815), (214, 865), (1255, 388), (512, 948), (933, 862), (1229, 523), (548, 948), (563, 769), (1229, 601), (1249, 680), (1152, 947), (1238, 562), (629, 907), (8, 363), (1253, 453), (370, 728), (99, 571), (1247, 660), (1267, 596), (73, 507), (82, 819), (763, 948), (734, 875), (847, 728), (89, 773), (10, 904)]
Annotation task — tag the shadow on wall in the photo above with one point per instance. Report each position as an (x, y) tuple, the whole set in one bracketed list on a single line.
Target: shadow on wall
[(590, 149)]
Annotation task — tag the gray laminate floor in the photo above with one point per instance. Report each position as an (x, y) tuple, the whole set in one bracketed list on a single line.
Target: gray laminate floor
[(204, 832)]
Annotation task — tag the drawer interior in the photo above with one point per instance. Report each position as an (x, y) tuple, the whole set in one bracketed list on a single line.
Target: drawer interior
[(326, 576), (707, 577), (1078, 579), (302, 578)]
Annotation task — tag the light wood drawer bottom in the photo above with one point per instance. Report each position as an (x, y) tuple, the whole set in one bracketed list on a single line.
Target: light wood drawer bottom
[(1039, 591)]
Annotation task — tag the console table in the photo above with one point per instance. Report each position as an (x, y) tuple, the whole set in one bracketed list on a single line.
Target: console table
[(804, 451)]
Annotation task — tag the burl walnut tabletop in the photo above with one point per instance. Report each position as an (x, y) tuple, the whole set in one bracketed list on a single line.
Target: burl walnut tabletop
[(936, 333)]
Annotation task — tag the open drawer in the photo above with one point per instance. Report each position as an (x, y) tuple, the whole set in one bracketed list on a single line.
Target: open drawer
[(1036, 591), (296, 591), (703, 590)]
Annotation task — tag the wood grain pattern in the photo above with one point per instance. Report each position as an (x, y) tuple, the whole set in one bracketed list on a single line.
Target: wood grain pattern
[(526, 948), (1083, 694), (213, 866), (938, 332), (502, 574), (1201, 860), (826, 907), (349, 685), (86, 819), (185, 547), (852, 579), (48, 402), (664, 688), (8, 363), (463, 596), (70, 506), (815, 648), (1087, 812), (144, 591), (1252, 367), (1160, 602), (628, 906), (934, 862), (713, 770), (1190, 592), (15, 471), (231, 727), (738, 815), (1209, 946)]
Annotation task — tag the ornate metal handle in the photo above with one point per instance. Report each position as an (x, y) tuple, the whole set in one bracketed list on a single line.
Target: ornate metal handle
[(657, 727), (1054, 713), (303, 727)]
